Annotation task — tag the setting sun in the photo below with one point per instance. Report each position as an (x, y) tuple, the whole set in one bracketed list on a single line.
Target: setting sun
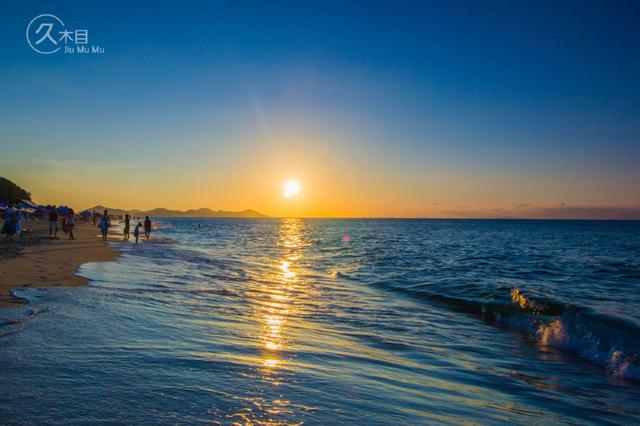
[(291, 188)]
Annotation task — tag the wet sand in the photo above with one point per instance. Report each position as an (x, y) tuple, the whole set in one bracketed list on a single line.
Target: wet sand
[(37, 261)]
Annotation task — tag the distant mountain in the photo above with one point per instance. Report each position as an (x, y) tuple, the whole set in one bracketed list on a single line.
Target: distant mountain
[(162, 212)]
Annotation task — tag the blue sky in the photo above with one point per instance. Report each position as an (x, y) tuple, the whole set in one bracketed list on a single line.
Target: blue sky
[(429, 107)]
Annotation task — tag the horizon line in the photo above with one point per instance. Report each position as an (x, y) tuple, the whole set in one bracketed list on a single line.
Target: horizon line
[(561, 212)]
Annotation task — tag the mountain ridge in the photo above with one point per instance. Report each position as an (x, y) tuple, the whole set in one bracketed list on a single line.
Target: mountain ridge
[(193, 213)]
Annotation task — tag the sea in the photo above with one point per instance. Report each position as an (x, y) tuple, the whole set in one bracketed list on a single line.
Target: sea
[(327, 322)]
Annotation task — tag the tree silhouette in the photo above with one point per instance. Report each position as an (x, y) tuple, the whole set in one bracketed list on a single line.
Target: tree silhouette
[(12, 193)]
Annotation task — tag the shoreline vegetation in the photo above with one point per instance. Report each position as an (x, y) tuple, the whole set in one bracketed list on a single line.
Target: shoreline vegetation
[(38, 261)]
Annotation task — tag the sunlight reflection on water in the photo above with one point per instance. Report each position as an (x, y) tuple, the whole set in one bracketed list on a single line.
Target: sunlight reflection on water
[(286, 321), (279, 286)]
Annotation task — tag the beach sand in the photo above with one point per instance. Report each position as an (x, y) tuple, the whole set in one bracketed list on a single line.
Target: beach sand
[(37, 261)]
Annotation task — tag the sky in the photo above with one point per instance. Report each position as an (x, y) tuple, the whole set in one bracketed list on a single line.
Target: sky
[(378, 109)]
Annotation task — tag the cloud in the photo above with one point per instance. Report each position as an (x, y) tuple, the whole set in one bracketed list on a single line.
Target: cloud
[(561, 211), (585, 212), (80, 168)]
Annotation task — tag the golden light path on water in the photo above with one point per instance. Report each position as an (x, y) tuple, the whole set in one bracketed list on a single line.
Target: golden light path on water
[(274, 313), (274, 307)]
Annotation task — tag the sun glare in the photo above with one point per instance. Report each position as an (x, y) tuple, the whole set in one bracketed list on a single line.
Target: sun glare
[(291, 188)]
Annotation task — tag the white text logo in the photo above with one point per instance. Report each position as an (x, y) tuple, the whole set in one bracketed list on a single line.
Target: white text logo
[(47, 34)]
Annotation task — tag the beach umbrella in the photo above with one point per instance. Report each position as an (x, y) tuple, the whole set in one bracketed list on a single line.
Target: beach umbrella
[(28, 204)]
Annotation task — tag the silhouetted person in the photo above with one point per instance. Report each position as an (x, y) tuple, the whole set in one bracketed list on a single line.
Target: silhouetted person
[(147, 227), (70, 223), (127, 225), (136, 232), (10, 226), (104, 225), (53, 222)]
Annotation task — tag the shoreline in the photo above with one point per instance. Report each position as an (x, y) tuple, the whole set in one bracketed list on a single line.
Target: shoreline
[(40, 262)]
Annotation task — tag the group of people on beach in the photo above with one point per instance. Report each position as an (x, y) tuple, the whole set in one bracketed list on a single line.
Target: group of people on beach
[(13, 216), (105, 223), (68, 222), (11, 227)]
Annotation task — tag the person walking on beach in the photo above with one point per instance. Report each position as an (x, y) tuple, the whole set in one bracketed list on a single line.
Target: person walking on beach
[(53, 222), (70, 223), (10, 225), (136, 232), (94, 217), (21, 217), (127, 224), (104, 225), (147, 227)]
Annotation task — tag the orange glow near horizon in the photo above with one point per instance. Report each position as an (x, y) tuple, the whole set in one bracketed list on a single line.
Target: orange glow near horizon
[(303, 176)]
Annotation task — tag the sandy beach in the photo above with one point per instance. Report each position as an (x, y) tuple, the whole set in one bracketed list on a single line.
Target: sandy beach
[(37, 261)]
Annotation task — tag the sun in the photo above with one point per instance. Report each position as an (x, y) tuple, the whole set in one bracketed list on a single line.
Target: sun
[(291, 188)]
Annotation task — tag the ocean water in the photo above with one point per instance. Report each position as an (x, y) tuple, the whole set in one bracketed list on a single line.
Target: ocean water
[(338, 322)]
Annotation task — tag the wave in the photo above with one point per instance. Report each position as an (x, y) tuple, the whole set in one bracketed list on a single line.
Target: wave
[(609, 342), (338, 274), (17, 318)]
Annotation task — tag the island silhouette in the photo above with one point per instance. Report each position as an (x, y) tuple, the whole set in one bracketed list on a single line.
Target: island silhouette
[(164, 212)]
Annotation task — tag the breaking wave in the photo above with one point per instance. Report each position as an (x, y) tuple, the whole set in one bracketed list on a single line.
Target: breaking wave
[(608, 342)]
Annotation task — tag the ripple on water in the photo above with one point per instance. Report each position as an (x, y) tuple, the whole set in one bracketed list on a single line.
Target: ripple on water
[(286, 321)]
